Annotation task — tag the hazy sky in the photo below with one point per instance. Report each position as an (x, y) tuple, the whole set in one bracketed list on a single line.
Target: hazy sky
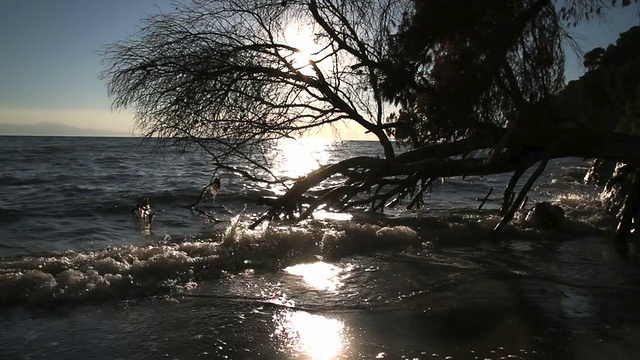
[(49, 70)]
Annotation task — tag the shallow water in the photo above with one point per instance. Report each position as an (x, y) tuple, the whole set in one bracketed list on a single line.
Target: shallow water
[(80, 277), (531, 301)]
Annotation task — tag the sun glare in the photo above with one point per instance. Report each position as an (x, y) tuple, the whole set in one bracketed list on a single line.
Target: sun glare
[(295, 158), (302, 38), (310, 335)]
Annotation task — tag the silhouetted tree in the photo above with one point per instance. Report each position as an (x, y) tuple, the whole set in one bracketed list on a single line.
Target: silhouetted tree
[(224, 74), (466, 85), (607, 99)]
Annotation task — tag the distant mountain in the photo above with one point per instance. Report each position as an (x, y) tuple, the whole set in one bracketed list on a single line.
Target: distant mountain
[(47, 128)]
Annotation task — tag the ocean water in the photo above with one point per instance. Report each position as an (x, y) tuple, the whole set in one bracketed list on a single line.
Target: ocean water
[(82, 278)]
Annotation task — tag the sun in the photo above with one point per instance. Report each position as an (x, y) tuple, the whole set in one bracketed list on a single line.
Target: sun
[(302, 38)]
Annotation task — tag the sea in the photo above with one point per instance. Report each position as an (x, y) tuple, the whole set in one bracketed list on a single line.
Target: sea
[(81, 277)]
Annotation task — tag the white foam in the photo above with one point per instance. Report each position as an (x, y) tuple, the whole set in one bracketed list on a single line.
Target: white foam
[(584, 208), (109, 265), (399, 233), (350, 238), (174, 267)]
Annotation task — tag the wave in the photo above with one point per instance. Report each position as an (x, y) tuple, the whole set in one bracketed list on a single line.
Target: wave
[(177, 267)]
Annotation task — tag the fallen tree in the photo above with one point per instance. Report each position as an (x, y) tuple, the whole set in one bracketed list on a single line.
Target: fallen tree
[(406, 177), (469, 90)]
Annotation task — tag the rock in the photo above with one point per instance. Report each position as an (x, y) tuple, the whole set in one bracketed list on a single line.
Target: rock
[(545, 215)]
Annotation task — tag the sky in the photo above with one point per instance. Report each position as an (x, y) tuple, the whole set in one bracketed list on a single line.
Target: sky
[(49, 69)]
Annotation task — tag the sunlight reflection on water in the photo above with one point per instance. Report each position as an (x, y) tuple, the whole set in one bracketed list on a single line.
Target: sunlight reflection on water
[(320, 275), (325, 215), (296, 158), (315, 336)]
